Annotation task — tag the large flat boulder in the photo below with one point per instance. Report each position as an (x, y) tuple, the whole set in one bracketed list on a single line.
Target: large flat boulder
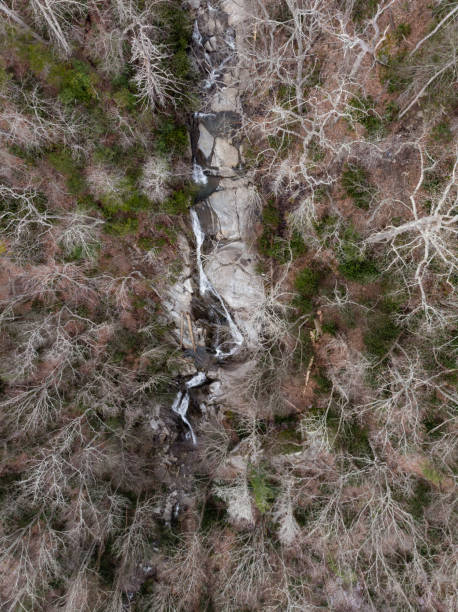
[(231, 269), (225, 157), (205, 142)]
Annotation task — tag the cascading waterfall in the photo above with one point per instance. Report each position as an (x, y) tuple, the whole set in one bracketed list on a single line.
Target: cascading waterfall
[(215, 303), (181, 402), (205, 287), (198, 175)]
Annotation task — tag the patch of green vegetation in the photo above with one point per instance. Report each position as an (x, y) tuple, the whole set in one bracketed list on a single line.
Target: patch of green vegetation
[(306, 285), (280, 144), (354, 263), (393, 72), (122, 227), (146, 243), (271, 214), (448, 359), (114, 423), (78, 253), (363, 112), (180, 201), (314, 78), (402, 32), (432, 422), (382, 329), (441, 132), (440, 9), (30, 155), (288, 441), (271, 243), (75, 81), (286, 95), (324, 385), (37, 55), (431, 474), (358, 268), (433, 181), (125, 342), (297, 245), (420, 499), (354, 439), (345, 575), (64, 163), (252, 156), (355, 181), (363, 9), (322, 192), (170, 138), (391, 112), (125, 92), (263, 493), (330, 327), (170, 231), (315, 151), (178, 27), (125, 99), (325, 227), (4, 76), (137, 201)]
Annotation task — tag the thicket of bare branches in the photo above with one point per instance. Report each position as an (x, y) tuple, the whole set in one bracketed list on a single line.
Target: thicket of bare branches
[(324, 476)]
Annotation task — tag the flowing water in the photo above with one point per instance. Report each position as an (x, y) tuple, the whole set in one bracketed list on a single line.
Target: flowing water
[(220, 124), (205, 288)]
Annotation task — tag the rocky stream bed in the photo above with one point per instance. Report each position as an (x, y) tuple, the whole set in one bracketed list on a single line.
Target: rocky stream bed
[(213, 304)]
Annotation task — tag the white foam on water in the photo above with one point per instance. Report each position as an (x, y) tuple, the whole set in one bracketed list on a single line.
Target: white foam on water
[(198, 175), (180, 407), (206, 286), (196, 35), (196, 380)]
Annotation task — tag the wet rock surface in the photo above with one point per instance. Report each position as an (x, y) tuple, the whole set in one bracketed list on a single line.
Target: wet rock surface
[(219, 287)]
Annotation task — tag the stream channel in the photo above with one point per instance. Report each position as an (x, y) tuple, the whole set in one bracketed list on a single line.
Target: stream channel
[(219, 288)]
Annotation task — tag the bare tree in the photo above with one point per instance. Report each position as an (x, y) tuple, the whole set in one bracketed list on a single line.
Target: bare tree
[(249, 571), (156, 174), (131, 546), (30, 556), (423, 248), (403, 398), (16, 18), (288, 528), (79, 234), (27, 227), (438, 62), (237, 496), (156, 84), (54, 16), (32, 121)]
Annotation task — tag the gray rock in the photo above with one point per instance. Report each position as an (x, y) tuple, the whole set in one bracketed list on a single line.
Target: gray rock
[(211, 44), (223, 123), (231, 206), (232, 271), (236, 13), (206, 140), (225, 156)]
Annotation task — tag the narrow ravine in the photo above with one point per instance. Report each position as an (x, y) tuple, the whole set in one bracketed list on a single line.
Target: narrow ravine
[(219, 288)]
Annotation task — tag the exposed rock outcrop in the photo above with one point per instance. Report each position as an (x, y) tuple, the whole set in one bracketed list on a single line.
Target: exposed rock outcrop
[(223, 286)]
